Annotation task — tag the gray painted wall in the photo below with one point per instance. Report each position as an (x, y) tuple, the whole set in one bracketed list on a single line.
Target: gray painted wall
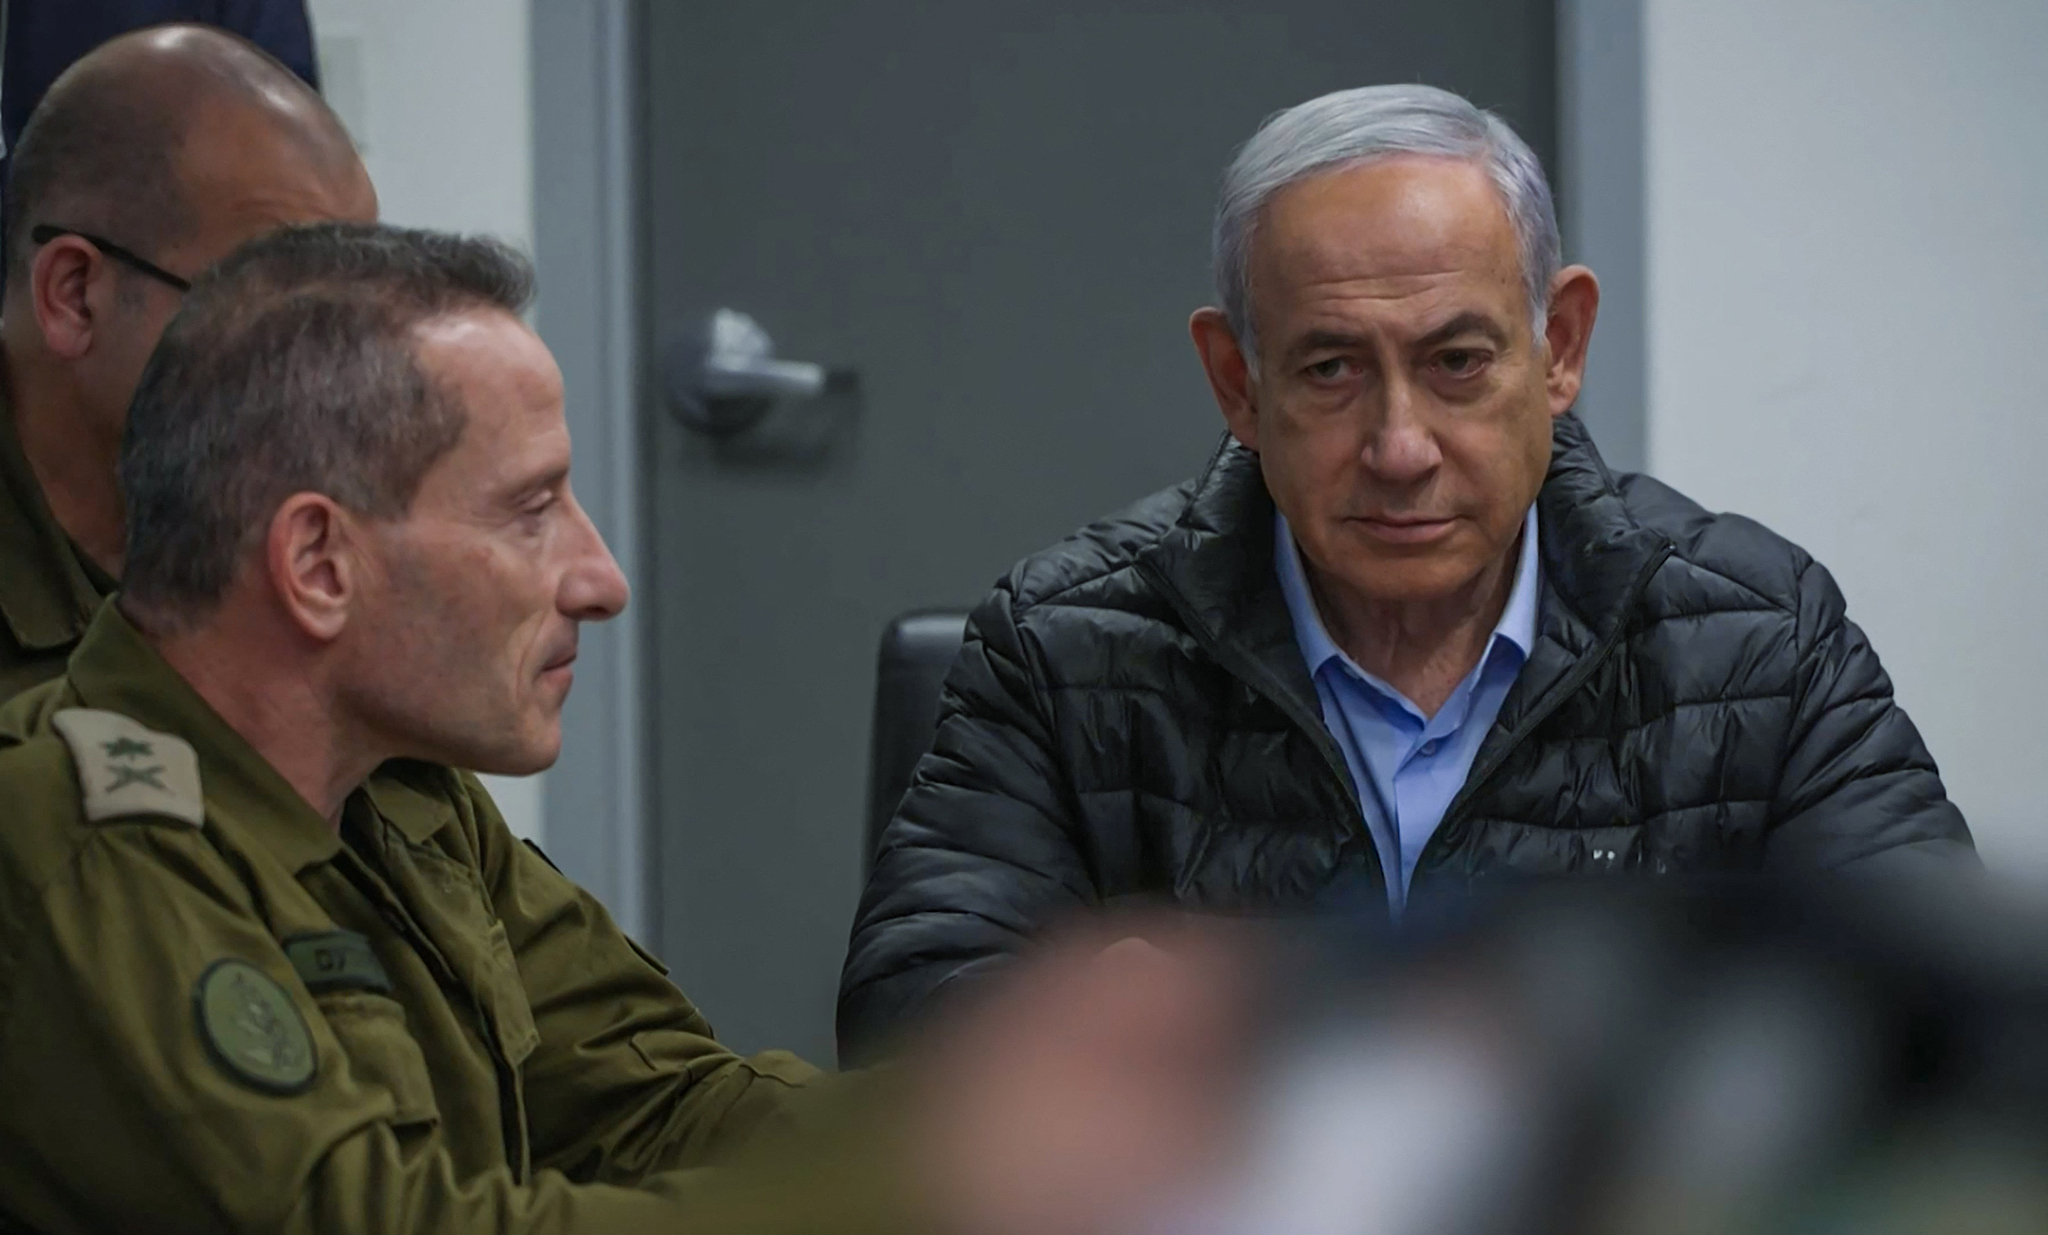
[(1600, 190)]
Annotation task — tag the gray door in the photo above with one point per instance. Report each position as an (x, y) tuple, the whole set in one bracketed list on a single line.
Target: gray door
[(996, 215)]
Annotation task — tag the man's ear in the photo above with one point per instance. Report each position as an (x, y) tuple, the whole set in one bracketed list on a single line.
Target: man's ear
[(314, 557), (70, 285), (1574, 303), (1230, 378)]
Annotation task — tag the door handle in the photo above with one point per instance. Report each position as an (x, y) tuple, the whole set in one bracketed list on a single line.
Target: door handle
[(722, 375)]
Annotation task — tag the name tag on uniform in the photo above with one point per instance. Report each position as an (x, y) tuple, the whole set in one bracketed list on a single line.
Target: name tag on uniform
[(337, 961)]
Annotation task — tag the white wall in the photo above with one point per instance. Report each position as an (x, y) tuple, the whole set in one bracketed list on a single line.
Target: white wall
[(1848, 314), (438, 96)]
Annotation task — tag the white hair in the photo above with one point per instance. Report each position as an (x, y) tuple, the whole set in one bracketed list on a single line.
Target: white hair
[(1341, 130)]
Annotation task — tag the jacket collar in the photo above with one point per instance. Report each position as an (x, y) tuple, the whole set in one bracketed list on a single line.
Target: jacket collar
[(1596, 558), (1216, 566), (1216, 563), (117, 669), (1595, 551), (48, 588)]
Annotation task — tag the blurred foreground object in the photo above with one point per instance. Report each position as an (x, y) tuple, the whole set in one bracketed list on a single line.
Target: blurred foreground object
[(1723, 1060), (1086, 1088)]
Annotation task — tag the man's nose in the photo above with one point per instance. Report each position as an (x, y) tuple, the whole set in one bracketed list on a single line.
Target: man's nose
[(594, 589), (1401, 446)]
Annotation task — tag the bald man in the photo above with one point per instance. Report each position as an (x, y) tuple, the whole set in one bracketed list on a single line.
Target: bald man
[(148, 160)]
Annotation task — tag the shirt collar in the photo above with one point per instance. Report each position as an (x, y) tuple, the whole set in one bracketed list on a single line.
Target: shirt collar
[(48, 588), (1517, 622), (1516, 628)]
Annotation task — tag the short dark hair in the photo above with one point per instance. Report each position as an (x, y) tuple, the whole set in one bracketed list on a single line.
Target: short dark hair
[(293, 367)]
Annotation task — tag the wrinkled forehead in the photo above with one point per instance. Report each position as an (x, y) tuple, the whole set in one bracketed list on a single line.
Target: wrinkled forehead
[(493, 368), (1383, 228)]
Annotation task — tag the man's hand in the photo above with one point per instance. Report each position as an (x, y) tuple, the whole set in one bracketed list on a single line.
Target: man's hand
[(1091, 1086)]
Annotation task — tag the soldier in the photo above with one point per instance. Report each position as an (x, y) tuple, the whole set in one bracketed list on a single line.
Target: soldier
[(266, 961), (147, 160)]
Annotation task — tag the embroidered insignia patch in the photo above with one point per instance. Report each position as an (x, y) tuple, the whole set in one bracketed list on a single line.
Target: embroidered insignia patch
[(125, 769), (253, 1029)]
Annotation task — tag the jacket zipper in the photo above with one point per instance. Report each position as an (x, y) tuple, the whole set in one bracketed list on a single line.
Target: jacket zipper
[(1254, 676), (1564, 689)]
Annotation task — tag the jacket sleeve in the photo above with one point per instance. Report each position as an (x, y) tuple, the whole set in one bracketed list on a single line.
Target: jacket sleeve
[(118, 1115), (1857, 788), (981, 851), (627, 1080)]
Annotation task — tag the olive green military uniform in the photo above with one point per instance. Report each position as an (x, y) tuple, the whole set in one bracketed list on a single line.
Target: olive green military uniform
[(218, 1014), (49, 588)]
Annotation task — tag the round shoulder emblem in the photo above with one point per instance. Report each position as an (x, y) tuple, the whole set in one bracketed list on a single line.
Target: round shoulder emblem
[(253, 1028)]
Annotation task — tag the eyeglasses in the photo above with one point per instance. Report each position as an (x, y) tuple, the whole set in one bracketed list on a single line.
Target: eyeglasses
[(44, 233)]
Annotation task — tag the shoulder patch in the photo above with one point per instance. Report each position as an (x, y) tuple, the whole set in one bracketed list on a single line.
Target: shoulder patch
[(253, 1029), (125, 769)]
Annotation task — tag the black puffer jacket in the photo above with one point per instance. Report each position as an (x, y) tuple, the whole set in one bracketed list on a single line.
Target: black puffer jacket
[(1131, 717)]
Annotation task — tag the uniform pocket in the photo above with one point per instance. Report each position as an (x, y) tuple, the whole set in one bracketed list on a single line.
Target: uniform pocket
[(382, 1054)]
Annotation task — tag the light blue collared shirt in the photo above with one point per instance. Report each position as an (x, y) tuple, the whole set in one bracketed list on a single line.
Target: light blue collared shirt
[(1406, 767)]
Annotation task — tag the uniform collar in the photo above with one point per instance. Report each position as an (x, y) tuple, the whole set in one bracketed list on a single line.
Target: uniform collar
[(115, 668), (49, 589), (1516, 627)]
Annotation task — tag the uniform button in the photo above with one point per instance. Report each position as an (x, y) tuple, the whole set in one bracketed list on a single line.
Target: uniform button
[(1429, 748)]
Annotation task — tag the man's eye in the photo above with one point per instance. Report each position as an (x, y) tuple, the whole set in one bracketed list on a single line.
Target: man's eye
[(1461, 362), (1328, 370)]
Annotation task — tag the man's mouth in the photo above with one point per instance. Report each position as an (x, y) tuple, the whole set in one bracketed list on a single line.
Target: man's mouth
[(1404, 529)]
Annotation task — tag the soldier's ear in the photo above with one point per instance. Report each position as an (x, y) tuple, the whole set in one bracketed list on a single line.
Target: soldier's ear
[(313, 555)]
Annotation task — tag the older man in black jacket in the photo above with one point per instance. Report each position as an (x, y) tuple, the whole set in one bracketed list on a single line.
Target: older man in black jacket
[(1407, 630)]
